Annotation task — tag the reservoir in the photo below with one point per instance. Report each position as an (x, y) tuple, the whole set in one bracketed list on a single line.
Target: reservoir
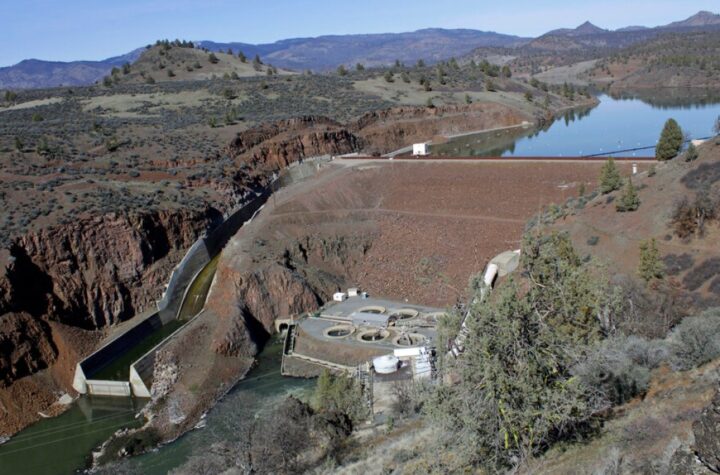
[(616, 124)]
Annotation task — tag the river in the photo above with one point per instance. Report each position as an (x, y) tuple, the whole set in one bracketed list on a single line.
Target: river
[(622, 123), (62, 444)]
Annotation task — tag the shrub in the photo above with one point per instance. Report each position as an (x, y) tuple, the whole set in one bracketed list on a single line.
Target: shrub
[(213, 59), (341, 394), (629, 200), (593, 240), (691, 154), (610, 179), (611, 371), (341, 70), (650, 267), (696, 340)]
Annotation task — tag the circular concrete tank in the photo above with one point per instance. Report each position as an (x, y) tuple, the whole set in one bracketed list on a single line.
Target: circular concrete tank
[(373, 336), (386, 364), (339, 331), (409, 339), (372, 309), (405, 314)]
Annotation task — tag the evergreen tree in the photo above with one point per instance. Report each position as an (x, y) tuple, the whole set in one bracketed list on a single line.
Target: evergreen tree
[(242, 57), (670, 142), (610, 179), (691, 154), (359, 67), (506, 72), (212, 58), (650, 267), (420, 64), (341, 70), (629, 200)]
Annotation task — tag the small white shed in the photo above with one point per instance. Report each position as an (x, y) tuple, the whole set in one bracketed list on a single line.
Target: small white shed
[(353, 292), (420, 149), (339, 296)]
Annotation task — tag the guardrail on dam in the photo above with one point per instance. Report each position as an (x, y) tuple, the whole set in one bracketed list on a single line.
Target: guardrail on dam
[(140, 373)]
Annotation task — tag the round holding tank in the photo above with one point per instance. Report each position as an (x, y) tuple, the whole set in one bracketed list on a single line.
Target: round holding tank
[(339, 331), (373, 336), (405, 314), (386, 364), (372, 309), (409, 339)]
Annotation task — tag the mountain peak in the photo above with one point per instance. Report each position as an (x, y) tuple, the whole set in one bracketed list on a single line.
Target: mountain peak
[(701, 18), (588, 27)]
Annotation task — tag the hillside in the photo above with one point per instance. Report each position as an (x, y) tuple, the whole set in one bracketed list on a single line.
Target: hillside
[(327, 52), (167, 62), (35, 73), (669, 60)]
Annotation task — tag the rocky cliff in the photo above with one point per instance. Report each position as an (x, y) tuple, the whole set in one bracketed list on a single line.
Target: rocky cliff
[(271, 147), (391, 129), (86, 275)]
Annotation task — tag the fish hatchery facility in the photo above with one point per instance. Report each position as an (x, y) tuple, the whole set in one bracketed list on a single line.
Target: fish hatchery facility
[(383, 343)]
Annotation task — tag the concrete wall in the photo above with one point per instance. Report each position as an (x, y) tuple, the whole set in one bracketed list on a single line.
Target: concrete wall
[(108, 388), (197, 257)]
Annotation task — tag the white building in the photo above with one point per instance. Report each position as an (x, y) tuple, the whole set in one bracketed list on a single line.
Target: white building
[(420, 149), (339, 296)]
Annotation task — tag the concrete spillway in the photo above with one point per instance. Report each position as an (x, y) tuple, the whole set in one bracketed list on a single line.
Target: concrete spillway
[(124, 366)]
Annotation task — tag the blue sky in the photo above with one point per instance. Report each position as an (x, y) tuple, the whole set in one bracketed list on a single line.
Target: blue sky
[(66, 30)]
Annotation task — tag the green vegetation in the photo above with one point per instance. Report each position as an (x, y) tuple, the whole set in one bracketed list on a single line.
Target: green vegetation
[(10, 96), (671, 140), (629, 199), (338, 393), (213, 59), (341, 71), (650, 266), (691, 154), (359, 67), (610, 179), (510, 405)]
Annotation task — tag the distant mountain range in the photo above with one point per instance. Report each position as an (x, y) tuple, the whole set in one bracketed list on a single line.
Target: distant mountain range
[(327, 52)]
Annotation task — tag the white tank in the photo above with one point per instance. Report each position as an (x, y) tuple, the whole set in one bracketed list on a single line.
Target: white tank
[(386, 364)]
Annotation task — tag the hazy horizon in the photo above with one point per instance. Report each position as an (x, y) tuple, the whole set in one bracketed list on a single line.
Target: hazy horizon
[(82, 30)]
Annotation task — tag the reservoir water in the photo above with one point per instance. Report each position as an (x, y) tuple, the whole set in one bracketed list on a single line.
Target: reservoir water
[(615, 124), (63, 444)]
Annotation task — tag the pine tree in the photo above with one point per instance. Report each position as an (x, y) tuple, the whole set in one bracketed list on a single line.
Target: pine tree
[(341, 70), (212, 58), (629, 200), (650, 266), (242, 57), (670, 142), (610, 179), (691, 154)]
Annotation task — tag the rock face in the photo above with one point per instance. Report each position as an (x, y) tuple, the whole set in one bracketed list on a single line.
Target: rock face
[(271, 147), (25, 346), (707, 435), (86, 275), (303, 275), (391, 129)]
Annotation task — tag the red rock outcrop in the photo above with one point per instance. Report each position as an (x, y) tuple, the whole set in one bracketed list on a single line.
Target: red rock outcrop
[(274, 146), (390, 129)]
